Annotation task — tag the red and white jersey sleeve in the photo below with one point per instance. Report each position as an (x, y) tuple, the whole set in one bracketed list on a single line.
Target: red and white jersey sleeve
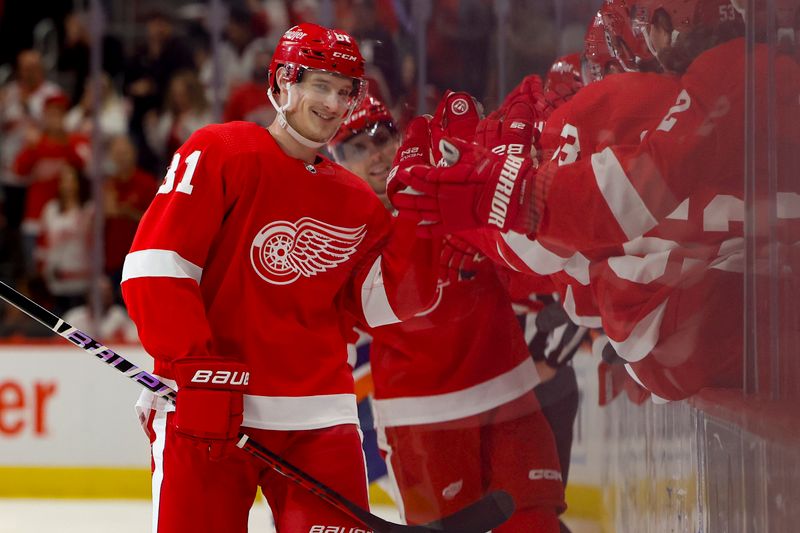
[(621, 192), (250, 254), (400, 281), (704, 235), (162, 272)]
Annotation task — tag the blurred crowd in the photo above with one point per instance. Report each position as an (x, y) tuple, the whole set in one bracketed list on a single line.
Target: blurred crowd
[(160, 85)]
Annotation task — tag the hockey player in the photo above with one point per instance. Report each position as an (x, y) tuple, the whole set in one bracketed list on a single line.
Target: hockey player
[(241, 270), (666, 309), (454, 403)]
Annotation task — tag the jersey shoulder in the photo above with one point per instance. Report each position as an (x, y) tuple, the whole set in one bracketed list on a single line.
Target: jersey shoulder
[(234, 137)]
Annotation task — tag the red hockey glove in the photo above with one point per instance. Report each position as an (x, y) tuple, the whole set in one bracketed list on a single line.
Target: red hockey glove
[(480, 189), (415, 150), (210, 404), (459, 261), (516, 125), (457, 115)]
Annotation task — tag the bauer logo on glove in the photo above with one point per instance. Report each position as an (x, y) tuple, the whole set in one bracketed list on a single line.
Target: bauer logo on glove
[(477, 189)]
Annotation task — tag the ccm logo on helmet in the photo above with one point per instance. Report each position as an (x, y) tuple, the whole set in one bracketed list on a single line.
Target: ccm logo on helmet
[(502, 193), (346, 57), (221, 377)]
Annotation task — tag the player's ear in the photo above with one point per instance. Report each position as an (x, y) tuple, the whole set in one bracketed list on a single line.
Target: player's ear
[(282, 78)]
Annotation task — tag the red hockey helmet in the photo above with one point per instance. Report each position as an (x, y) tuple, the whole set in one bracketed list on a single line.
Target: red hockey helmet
[(597, 56), (309, 46), (683, 15), (626, 42), (564, 75), (370, 114)]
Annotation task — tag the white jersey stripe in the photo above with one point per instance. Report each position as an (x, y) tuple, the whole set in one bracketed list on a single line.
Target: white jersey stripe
[(374, 301), (643, 338), (159, 264), (569, 308), (542, 261), (621, 196), (459, 404), (299, 412)]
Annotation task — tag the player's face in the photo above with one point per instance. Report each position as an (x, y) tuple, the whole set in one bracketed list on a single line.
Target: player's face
[(323, 101), (369, 155)]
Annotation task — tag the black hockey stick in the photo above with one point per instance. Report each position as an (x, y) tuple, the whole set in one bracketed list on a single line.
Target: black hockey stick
[(483, 515)]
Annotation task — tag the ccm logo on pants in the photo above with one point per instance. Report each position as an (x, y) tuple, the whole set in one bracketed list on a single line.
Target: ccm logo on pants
[(537, 474)]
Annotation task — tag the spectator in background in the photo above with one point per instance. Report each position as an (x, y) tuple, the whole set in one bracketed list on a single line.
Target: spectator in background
[(149, 73), (48, 150), (186, 110), (248, 101), (66, 226), (113, 117), (239, 34), (128, 191), (300, 11), (532, 39), (204, 59), (16, 325), (114, 325), (75, 53), (21, 107), (374, 32), (465, 26)]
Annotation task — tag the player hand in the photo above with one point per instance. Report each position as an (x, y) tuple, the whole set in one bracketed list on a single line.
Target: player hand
[(459, 261), (478, 189), (210, 403), (415, 150), (457, 115), (512, 129)]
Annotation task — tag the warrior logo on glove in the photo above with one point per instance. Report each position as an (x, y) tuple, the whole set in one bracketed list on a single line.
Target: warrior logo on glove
[(283, 251)]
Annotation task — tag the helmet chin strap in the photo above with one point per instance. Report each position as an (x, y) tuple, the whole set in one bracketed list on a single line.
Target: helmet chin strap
[(284, 121)]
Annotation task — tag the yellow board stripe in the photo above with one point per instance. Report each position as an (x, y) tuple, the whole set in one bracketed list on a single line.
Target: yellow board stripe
[(585, 501), (85, 482), (74, 482)]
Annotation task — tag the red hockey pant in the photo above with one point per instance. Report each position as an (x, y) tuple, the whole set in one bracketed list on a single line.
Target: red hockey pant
[(440, 468), (193, 494)]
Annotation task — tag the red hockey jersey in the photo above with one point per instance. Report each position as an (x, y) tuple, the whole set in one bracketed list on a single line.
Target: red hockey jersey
[(652, 216), (250, 254), (465, 355), (576, 130)]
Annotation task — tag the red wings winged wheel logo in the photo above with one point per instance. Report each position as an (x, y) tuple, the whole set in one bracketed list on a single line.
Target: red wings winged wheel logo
[(283, 251)]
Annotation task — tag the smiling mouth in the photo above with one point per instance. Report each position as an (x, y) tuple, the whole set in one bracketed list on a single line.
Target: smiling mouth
[(379, 173), (324, 116)]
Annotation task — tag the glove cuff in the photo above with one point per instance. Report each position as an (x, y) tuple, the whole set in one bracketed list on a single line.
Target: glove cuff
[(542, 180)]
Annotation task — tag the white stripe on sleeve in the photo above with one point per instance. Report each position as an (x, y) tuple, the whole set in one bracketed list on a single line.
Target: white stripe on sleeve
[(374, 301), (159, 264), (621, 196)]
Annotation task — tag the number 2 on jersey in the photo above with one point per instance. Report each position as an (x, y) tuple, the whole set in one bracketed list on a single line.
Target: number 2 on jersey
[(185, 185)]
